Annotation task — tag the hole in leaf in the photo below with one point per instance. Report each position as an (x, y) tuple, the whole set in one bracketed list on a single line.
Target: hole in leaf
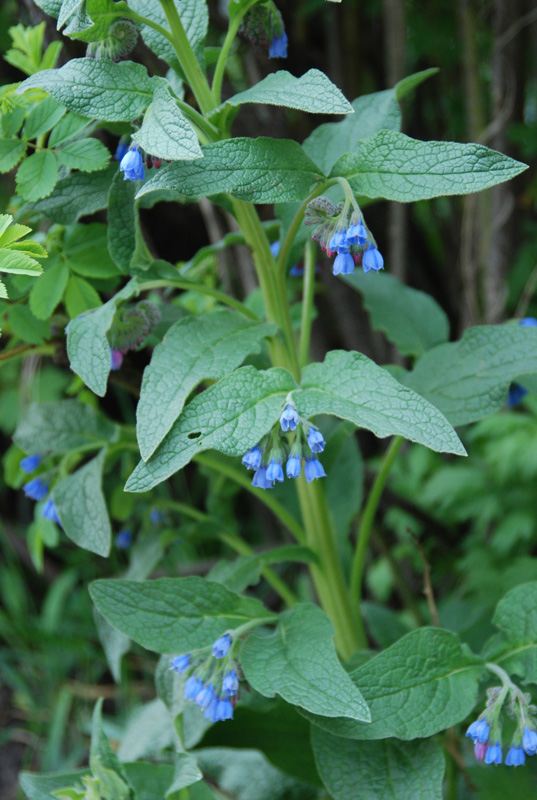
[(194, 435)]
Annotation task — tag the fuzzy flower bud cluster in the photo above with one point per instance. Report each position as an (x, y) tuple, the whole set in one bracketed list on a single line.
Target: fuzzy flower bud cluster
[(130, 328), (343, 235), (121, 39), (213, 682), (269, 456), (486, 730), (263, 26)]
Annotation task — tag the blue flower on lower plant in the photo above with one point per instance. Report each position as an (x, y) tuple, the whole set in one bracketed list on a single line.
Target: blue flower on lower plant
[(253, 458), (116, 359), (356, 234), (36, 489), (338, 243), (51, 512), (124, 539), (205, 696), (289, 418), (516, 395), (479, 731), (343, 264), (316, 441), (260, 479), (274, 471), (494, 754), (221, 646), (193, 687), (515, 757), (220, 709), (30, 463), (121, 150), (529, 741), (278, 46), (529, 322), (132, 164), (230, 684), (293, 468), (313, 469), (372, 260), (180, 663)]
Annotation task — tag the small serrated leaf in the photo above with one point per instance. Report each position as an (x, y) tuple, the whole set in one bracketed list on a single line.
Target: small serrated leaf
[(48, 290), (11, 152), (88, 155), (37, 175)]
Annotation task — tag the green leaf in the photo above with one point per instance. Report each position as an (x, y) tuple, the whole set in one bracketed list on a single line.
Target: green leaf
[(350, 386), (86, 250), (194, 349), (424, 683), (68, 127), (18, 263), (186, 773), (173, 615), (165, 132), (516, 617), (245, 571), (97, 87), (123, 223), (37, 175), (194, 15), (299, 663), (102, 13), (257, 170), (29, 248), (24, 325), (41, 787), (48, 290), (88, 155), (77, 195), (312, 92), (43, 117), (230, 416), (393, 166), (469, 379), (87, 345), (82, 508), (149, 781), (410, 319), (372, 113), (60, 427), (11, 152), (104, 763), (379, 770), (80, 296)]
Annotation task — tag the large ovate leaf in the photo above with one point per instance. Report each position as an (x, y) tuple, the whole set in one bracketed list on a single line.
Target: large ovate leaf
[(165, 132), (393, 166), (230, 416), (372, 113), (75, 196), (61, 427), (299, 663), (469, 379), (388, 770), (194, 349), (98, 88), (351, 386), (411, 319), (257, 170), (516, 617), (425, 682), (82, 507), (87, 345), (312, 92), (37, 175), (173, 615)]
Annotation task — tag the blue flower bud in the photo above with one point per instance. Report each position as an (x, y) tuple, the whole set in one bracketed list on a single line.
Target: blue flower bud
[(230, 684), (494, 754), (529, 742), (343, 264), (121, 150), (515, 757), (528, 322), (260, 479), (372, 260), (253, 458), (482, 731), (275, 471), (297, 271), (156, 516), (36, 489), (132, 164), (193, 687), (205, 696), (124, 539), (293, 467), (313, 469), (275, 248), (180, 663), (221, 646), (116, 359), (338, 242), (278, 46), (516, 395), (316, 441), (357, 234), (30, 463), (51, 512), (289, 418)]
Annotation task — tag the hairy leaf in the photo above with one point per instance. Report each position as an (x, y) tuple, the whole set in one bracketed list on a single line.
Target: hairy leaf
[(165, 131), (61, 427)]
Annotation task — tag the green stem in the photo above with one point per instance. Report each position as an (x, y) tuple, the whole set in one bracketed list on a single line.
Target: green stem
[(283, 255), (210, 132), (242, 479), (368, 517), (222, 297), (307, 304), (193, 72), (232, 31)]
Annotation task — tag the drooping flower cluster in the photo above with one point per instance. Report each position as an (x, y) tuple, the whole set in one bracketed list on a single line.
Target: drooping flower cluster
[(213, 683), (263, 26), (516, 391), (38, 488), (342, 233), (129, 329), (267, 458), (486, 730)]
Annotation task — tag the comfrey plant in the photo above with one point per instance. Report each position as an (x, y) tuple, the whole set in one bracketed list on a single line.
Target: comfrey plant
[(368, 723)]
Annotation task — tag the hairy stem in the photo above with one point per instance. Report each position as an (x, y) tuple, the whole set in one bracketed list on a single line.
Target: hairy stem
[(222, 297), (307, 304), (220, 68)]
